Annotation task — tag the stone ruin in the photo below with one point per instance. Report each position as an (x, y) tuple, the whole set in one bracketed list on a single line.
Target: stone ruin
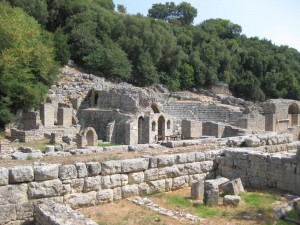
[(256, 143)]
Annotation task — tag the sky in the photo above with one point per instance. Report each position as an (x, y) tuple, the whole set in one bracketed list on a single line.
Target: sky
[(275, 20)]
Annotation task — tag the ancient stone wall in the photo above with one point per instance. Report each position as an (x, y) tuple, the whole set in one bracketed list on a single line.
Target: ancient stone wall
[(261, 170), (87, 184)]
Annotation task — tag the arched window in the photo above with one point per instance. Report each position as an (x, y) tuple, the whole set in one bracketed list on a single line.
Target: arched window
[(293, 112), (96, 99), (153, 126), (169, 124)]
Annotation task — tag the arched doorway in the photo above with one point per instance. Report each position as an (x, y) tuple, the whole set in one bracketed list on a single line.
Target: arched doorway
[(294, 114), (161, 128), (90, 138), (96, 99), (140, 129)]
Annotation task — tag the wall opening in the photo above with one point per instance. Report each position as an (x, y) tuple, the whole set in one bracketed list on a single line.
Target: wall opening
[(90, 138), (153, 126), (294, 112), (155, 108), (140, 129), (169, 125), (96, 99), (161, 128)]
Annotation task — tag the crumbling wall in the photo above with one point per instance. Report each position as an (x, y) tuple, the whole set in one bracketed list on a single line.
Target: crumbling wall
[(88, 184), (261, 170)]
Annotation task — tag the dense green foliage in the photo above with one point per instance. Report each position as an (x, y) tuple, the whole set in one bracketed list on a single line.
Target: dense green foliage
[(162, 48), (27, 63)]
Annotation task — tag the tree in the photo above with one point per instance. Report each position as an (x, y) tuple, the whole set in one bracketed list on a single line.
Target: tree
[(186, 76), (62, 49), (26, 61), (184, 12), (121, 8)]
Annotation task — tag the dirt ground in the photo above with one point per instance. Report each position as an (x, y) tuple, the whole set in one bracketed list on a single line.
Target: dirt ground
[(126, 212)]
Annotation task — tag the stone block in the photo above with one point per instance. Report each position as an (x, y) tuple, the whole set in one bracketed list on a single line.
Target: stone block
[(168, 172), (231, 200), (117, 193), (67, 172), (104, 196), (13, 194), (49, 148), (234, 187), (144, 189), (21, 174), (111, 167), (169, 184), (114, 181), (165, 160), (64, 116), (46, 189), (46, 172), (135, 178), (3, 176), (151, 174), (92, 184), (130, 191), (197, 189), (199, 156), (93, 168), (252, 142), (206, 166), (81, 200), (81, 170), (134, 165), (193, 168), (180, 182), (157, 186), (211, 191), (77, 185), (185, 158)]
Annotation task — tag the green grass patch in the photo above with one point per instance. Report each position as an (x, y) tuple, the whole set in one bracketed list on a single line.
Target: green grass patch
[(206, 211), (106, 145), (292, 215), (179, 201)]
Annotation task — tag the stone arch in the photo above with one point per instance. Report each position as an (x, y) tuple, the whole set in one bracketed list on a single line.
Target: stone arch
[(294, 112), (161, 127), (155, 108), (91, 137), (141, 121)]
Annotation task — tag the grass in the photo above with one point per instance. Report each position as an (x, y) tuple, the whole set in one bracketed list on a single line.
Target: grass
[(40, 145), (106, 145), (179, 201)]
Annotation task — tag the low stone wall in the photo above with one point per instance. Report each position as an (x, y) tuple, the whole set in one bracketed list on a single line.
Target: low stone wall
[(25, 136), (94, 183), (262, 170)]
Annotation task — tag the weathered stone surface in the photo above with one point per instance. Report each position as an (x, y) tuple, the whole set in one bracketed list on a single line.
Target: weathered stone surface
[(24, 210), (168, 172), (104, 196), (117, 193), (169, 184), (206, 166), (180, 182), (67, 172), (116, 148), (234, 187), (231, 200), (130, 190), (144, 189), (46, 172), (92, 184), (193, 168), (77, 185), (185, 158), (252, 142), (26, 156), (3, 176), (13, 194), (93, 168), (46, 189), (51, 213), (199, 156), (49, 148), (21, 174), (165, 160), (151, 174), (111, 167), (197, 189), (7, 213), (134, 165), (157, 186), (114, 181), (211, 191), (80, 200), (135, 178), (81, 170)]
